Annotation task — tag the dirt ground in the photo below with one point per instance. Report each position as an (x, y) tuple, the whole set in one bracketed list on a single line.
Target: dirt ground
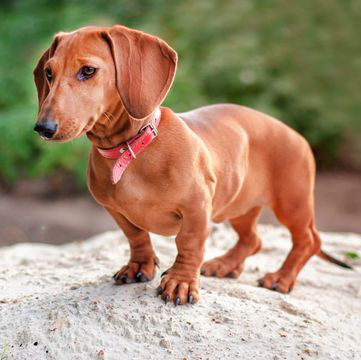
[(29, 216), (58, 302)]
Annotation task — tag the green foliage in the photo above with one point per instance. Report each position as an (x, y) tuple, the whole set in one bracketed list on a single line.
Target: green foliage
[(4, 352), (352, 255), (298, 61)]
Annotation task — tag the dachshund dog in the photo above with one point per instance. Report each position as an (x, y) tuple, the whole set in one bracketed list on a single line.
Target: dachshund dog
[(172, 173)]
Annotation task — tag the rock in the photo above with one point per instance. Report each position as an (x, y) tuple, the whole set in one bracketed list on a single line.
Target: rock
[(62, 298)]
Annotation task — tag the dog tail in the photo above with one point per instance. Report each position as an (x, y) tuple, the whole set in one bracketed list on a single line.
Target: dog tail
[(331, 259)]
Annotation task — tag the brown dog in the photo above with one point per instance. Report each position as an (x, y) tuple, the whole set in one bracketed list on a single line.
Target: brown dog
[(216, 163)]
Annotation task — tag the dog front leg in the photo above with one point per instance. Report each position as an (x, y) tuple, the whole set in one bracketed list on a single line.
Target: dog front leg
[(180, 282), (142, 263)]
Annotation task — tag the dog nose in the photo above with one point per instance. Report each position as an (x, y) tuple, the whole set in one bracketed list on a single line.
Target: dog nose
[(46, 128)]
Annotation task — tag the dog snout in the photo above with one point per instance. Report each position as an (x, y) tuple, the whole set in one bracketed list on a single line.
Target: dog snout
[(46, 128)]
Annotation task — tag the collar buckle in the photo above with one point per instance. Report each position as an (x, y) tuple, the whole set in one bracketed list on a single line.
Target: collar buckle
[(152, 127), (130, 150)]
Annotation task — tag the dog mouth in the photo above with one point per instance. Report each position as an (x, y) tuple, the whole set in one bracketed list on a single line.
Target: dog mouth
[(89, 125), (62, 137), (68, 136), (71, 133)]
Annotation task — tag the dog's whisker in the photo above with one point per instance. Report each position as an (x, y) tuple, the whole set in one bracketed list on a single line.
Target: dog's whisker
[(108, 115)]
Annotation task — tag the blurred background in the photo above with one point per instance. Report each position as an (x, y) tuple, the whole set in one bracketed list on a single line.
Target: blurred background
[(299, 61)]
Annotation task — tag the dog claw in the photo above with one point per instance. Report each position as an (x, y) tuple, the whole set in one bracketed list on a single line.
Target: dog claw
[(232, 275), (213, 273), (274, 287), (125, 279), (164, 273), (203, 272), (144, 278), (190, 299), (260, 282), (177, 301), (141, 277), (159, 291), (166, 298)]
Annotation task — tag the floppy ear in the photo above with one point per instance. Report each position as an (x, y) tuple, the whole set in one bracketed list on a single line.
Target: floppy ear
[(39, 74), (145, 67)]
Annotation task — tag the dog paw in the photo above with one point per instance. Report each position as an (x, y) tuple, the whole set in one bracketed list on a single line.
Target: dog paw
[(136, 272), (276, 282), (221, 267), (180, 288)]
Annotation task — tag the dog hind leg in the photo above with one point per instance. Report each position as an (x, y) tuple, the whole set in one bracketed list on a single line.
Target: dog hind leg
[(299, 219), (231, 264)]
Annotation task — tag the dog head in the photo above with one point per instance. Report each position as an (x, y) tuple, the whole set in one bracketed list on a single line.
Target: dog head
[(85, 72)]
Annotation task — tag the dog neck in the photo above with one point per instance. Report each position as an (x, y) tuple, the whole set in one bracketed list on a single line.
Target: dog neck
[(114, 127)]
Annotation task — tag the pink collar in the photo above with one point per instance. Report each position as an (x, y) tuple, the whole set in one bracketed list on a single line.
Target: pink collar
[(127, 151)]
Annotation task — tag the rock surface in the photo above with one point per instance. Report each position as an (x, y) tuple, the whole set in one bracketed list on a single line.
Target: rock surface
[(60, 303)]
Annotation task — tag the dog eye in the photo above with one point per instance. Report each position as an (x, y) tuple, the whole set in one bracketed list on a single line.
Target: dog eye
[(48, 74), (86, 72)]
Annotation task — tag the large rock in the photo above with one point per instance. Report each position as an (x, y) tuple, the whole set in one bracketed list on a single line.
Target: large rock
[(60, 303)]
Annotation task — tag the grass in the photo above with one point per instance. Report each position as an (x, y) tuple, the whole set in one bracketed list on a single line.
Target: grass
[(4, 352), (352, 255)]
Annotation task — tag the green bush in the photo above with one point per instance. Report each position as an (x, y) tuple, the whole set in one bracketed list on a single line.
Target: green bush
[(298, 61)]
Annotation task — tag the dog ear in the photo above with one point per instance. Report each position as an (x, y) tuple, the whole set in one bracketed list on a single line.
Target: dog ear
[(145, 67), (39, 74)]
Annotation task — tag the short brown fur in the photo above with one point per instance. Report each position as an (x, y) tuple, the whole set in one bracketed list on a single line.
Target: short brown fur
[(216, 163)]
